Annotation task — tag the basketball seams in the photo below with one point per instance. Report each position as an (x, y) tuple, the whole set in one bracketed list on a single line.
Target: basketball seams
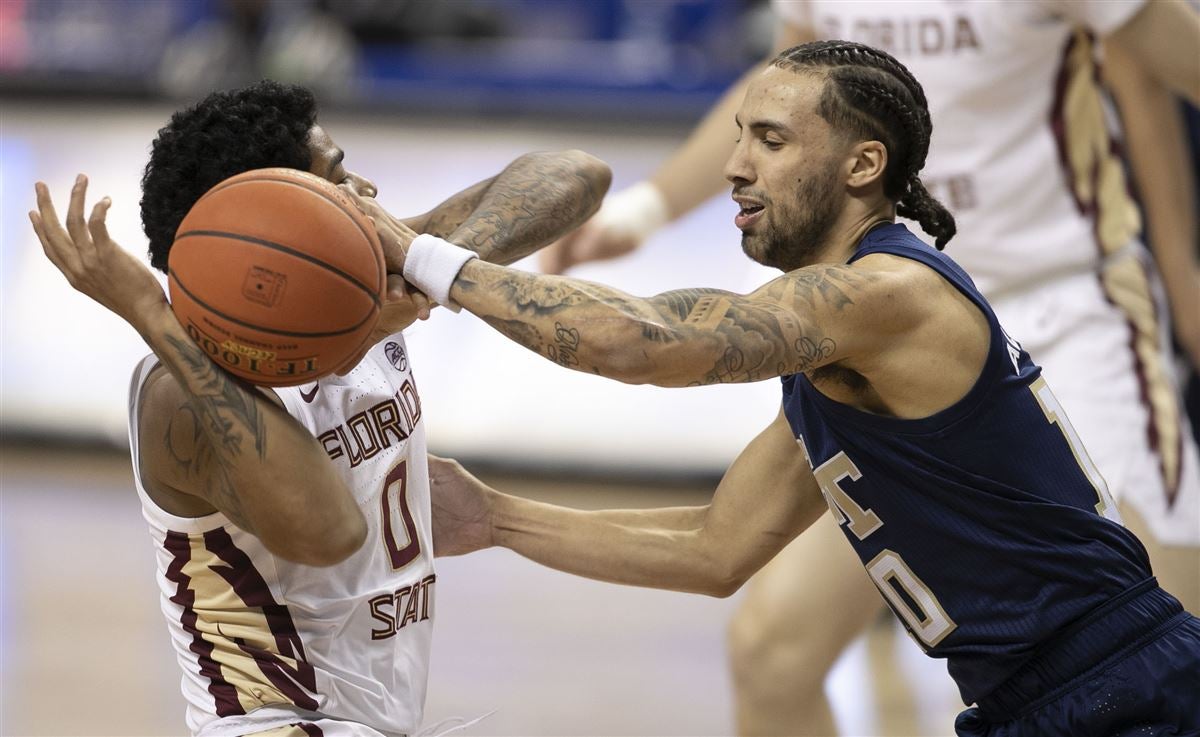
[(304, 183), (300, 233), (289, 251), (246, 324)]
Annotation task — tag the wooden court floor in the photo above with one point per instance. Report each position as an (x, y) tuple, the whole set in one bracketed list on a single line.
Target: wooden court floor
[(83, 649)]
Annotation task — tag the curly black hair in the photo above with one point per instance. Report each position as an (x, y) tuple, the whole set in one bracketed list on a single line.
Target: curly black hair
[(226, 133), (869, 94)]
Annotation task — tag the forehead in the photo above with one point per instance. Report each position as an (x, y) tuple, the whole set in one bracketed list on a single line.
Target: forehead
[(320, 144), (781, 94)]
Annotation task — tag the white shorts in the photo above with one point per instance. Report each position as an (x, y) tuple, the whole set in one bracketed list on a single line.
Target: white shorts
[(1104, 351)]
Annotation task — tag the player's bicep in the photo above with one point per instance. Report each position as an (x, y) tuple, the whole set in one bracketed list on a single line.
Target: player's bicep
[(176, 459), (766, 498), (803, 320)]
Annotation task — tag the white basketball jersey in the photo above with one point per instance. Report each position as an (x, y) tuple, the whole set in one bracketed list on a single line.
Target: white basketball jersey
[(1021, 152), (263, 641)]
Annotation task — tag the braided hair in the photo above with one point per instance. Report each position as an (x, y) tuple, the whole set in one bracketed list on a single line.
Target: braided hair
[(871, 96)]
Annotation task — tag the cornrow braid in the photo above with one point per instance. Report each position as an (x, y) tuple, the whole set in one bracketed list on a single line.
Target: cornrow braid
[(870, 95)]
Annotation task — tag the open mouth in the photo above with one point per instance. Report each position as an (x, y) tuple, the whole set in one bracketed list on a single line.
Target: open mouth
[(747, 215)]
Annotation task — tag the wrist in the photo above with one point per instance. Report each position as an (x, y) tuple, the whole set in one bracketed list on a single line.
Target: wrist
[(155, 321), (506, 518), (433, 264)]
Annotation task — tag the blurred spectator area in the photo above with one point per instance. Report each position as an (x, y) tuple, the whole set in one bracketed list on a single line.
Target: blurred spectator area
[(648, 59)]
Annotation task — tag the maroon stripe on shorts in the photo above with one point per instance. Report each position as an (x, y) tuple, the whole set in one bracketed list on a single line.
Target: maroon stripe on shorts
[(310, 729), (299, 683), (223, 693)]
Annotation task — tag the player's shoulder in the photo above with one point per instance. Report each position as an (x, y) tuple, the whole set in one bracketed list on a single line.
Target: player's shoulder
[(896, 293), (884, 272)]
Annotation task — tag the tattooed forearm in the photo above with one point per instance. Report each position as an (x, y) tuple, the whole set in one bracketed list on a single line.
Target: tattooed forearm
[(686, 337), (443, 219), (536, 199)]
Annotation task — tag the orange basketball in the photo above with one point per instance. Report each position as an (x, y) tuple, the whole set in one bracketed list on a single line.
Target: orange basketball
[(278, 276)]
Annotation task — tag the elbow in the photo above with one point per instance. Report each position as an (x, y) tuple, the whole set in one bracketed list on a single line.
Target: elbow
[(327, 545), (344, 541), (590, 175), (596, 173), (722, 585), (723, 572)]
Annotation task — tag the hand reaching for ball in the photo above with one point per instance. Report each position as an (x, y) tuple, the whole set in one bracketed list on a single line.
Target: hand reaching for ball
[(94, 263), (395, 237)]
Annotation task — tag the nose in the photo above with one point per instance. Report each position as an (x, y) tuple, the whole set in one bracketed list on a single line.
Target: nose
[(738, 169), (363, 186)]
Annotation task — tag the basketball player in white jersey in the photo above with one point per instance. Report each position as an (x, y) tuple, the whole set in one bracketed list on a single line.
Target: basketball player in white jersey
[(1025, 159), (292, 527)]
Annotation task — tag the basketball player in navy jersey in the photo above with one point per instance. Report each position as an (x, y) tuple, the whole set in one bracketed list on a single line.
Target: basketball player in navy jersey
[(930, 435), (295, 558), (1048, 231)]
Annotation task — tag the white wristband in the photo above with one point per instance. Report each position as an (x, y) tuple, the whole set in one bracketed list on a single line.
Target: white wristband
[(639, 210), (432, 265)]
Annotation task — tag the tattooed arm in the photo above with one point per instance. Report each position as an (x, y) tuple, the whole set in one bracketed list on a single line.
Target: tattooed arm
[(207, 442), (800, 321), (534, 200)]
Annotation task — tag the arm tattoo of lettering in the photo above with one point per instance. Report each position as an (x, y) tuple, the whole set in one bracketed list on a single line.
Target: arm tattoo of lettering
[(684, 337), (536, 199), (220, 417)]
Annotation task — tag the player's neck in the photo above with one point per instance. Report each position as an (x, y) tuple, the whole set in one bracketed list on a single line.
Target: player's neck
[(847, 233)]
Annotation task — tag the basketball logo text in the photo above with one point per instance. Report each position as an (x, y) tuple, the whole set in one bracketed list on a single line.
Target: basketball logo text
[(248, 359)]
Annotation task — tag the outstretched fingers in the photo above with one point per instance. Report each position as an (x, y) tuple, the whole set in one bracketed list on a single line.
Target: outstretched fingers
[(55, 241), (98, 226), (76, 225)]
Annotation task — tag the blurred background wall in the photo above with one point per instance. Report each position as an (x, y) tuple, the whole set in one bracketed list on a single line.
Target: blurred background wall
[(426, 97)]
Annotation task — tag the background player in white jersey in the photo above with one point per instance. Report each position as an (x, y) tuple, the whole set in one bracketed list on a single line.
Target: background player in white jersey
[(292, 528), (1025, 160)]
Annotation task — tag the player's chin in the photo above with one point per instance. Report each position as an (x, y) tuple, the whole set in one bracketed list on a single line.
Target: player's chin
[(755, 247)]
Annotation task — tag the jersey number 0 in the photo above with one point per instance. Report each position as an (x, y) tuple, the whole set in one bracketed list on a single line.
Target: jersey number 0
[(406, 549)]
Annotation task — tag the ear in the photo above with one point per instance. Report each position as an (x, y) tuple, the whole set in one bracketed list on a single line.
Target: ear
[(866, 163)]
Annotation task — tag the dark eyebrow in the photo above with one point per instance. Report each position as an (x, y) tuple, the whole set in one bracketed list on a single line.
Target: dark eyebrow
[(770, 125), (337, 159), (759, 125)]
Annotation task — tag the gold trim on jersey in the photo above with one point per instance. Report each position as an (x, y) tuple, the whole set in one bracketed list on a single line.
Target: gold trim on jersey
[(237, 626), (1096, 178), (1127, 283), (306, 729), (1091, 157)]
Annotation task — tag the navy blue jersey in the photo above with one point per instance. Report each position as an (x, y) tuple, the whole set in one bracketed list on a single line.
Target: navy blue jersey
[(986, 526)]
